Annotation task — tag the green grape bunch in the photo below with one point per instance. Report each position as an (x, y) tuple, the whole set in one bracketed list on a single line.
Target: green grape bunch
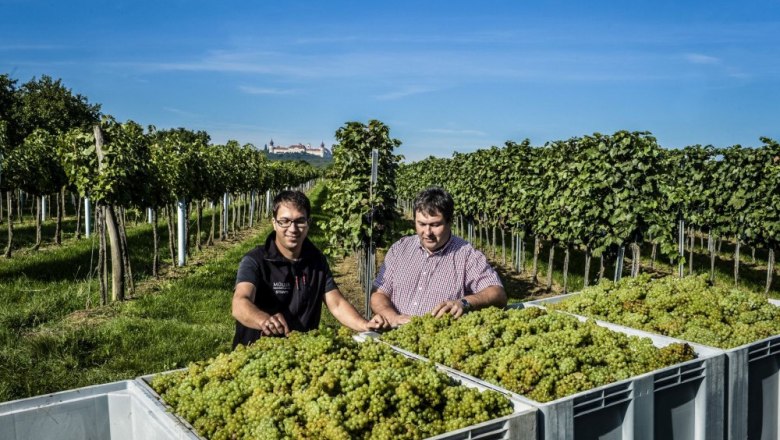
[(543, 356), (322, 385), (688, 308)]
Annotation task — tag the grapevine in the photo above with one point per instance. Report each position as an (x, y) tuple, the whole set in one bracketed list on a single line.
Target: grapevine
[(543, 356), (322, 384)]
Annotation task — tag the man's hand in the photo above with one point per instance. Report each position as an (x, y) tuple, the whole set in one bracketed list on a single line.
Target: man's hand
[(398, 320), (377, 322), (274, 325), (454, 308), (381, 305)]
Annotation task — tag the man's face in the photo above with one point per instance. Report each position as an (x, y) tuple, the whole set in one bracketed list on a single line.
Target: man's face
[(433, 230), (292, 236)]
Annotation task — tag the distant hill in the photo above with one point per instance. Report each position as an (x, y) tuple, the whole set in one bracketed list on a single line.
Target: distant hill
[(315, 161)]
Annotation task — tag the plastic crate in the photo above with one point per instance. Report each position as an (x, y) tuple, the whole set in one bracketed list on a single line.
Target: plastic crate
[(116, 411), (752, 376), (684, 401), (520, 425), (754, 390)]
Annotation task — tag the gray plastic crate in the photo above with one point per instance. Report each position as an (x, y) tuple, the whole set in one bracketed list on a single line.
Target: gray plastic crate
[(682, 402), (116, 411), (754, 390), (520, 425), (752, 385)]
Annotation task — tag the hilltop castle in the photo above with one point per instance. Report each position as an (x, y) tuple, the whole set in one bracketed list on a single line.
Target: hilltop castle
[(320, 151)]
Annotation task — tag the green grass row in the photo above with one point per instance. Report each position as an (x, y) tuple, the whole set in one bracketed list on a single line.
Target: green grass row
[(38, 286)]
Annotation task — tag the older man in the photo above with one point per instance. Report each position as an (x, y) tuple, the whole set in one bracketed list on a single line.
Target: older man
[(434, 271)]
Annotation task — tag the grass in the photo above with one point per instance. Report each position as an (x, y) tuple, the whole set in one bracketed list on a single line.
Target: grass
[(53, 336), (38, 286)]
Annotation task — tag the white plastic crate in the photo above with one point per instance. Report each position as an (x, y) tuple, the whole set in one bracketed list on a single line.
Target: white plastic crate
[(752, 380), (115, 411), (681, 402), (520, 425)]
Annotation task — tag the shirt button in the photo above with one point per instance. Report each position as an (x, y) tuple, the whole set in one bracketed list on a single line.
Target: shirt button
[(415, 303), (419, 288)]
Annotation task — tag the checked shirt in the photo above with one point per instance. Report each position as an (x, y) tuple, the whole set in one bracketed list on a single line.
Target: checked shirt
[(416, 281)]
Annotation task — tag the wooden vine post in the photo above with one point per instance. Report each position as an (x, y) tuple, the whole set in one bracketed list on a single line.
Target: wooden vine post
[(117, 266)]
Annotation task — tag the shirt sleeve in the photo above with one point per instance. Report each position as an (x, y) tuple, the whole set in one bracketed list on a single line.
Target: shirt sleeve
[(480, 274), (330, 283), (247, 271), (384, 278)]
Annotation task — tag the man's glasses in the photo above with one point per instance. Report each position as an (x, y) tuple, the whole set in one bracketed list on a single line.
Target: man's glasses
[(286, 222)]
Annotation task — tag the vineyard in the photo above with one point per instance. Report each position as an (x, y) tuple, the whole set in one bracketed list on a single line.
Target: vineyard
[(599, 195), (87, 294), (53, 143)]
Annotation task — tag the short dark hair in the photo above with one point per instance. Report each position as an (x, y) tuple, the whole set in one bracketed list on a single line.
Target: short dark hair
[(295, 198), (433, 201)]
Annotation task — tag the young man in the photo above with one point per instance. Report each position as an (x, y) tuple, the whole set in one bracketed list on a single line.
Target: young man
[(281, 285), (434, 271)]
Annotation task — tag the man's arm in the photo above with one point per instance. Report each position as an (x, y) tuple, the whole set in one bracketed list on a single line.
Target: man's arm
[(489, 296), (381, 305), (349, 316), (482, 279), (380, 301), (246, 312)]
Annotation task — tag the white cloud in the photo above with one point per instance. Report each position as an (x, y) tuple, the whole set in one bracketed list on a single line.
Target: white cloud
[(697, 58), (423, 69), (26, 47), (266, 91), (457, 132), (423, 65), (181, 112), (738, 74), (404, 92)]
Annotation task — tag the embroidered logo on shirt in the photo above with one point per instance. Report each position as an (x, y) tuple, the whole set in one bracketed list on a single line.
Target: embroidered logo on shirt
[(281, 288)]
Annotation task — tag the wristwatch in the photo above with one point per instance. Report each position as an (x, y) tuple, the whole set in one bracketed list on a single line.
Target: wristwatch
[(466, 305)]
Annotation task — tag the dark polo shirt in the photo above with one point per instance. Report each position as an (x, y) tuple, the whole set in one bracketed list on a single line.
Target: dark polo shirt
[(294, 288)]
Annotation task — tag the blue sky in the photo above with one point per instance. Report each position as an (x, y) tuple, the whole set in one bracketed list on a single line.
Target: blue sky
[(445, 76)]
